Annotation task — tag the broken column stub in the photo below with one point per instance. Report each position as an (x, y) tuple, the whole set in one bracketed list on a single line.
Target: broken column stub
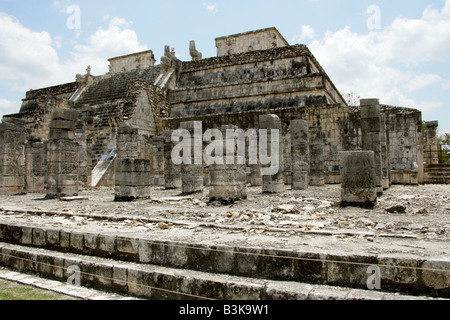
[(132, 180), (371, 135), (172, 172), (273, 182), (300, 157), (358, 178), (132, 175), (12, 156), (62, 155), (228, 180), (192, 173)]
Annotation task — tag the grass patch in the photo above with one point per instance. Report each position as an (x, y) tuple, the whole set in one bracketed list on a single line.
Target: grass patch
[(10, 290)]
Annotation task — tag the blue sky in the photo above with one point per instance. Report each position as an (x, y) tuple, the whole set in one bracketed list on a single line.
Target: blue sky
[(397, 51)]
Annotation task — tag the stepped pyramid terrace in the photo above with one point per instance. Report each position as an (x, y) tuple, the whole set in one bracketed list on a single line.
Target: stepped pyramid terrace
[(240, 176)]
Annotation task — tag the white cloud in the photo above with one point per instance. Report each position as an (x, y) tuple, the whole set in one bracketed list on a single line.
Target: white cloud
[(421, 81), (306, 33), (9, 107), (212, 8), (118, 39), (436, 15), (372, 64), (31, 59), (25, 54)]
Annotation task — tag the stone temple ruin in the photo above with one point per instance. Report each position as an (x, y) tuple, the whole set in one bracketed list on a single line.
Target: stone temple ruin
[(289, 234), (115, 129)]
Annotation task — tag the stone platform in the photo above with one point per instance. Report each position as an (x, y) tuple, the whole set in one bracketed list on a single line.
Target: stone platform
[(293, 239)]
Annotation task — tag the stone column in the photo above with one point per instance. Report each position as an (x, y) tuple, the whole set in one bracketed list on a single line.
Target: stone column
[(157, 167), (255, 168), (317, 163), (385, 181), (84, 177), (228, 180), (432, 148), (358, 178), (274, 181), (62, 155), (12, 156), (300, 156), (192, 174), (132, 179), (371, 135), (172, 172), (132, 175), (255, 175), (35, 164)]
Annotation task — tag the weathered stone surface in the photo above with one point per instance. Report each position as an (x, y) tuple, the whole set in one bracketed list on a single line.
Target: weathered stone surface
[(371, 135), (300, 154), (132, 174), (172, 172), (62, 155), (192, 174), (253, 74), (431, 149), (228, 181), (316, 157), (274, 182), (358, 179), (12, 156)]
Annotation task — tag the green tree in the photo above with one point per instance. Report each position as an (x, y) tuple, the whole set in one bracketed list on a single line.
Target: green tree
[(352, 98)]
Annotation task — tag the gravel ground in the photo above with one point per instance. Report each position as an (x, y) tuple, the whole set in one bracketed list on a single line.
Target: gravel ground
[(412, 220)]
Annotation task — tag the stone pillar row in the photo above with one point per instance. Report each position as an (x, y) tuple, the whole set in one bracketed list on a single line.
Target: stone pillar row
[(228, 182), (60, 153)]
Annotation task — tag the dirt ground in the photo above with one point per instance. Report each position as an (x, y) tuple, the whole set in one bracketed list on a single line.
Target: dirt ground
[(418, 224)]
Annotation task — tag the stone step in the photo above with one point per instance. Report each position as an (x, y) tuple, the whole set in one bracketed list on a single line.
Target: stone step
[(437, 180), (409, 275), (115, 87), (163, 283), (437, 171)]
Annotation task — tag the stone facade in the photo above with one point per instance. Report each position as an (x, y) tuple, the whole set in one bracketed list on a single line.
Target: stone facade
[(254, 75), (140, 60), (250, 41)]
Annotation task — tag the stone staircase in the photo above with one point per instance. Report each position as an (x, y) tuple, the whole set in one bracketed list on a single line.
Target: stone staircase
[(167, 270), (114, 87), (437, 173)]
